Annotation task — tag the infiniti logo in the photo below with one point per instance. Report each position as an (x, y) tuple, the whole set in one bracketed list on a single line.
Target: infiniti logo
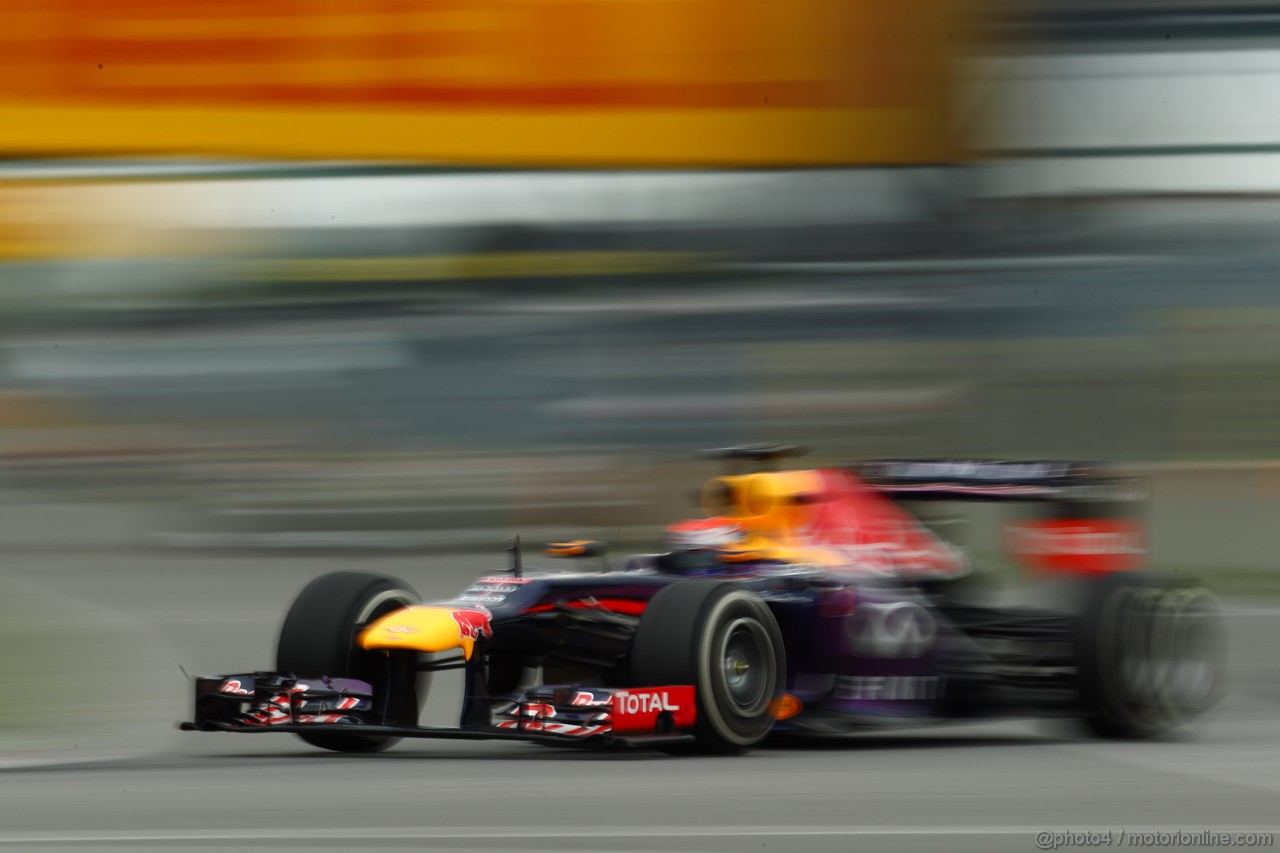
[(900, 629)]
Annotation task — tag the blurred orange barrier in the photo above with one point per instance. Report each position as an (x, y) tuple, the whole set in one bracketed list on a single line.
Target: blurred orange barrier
[(522, 82)]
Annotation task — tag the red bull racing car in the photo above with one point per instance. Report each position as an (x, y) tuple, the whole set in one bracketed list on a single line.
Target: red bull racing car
[(806, 601)]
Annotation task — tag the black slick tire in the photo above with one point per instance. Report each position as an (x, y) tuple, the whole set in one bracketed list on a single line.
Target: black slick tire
[(1151, 655), (721, 638), (318, 638)]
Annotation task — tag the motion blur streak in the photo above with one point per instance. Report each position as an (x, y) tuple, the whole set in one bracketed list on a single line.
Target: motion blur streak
[(548, 81), (291, 286)]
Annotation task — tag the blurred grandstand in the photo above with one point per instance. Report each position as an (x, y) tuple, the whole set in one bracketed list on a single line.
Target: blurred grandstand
[(310, 315)]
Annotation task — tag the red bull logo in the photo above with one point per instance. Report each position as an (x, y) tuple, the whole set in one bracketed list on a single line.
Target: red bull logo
[(537, 709), (474, 624)]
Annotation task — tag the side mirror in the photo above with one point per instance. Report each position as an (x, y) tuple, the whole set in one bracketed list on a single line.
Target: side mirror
[(577, 548)]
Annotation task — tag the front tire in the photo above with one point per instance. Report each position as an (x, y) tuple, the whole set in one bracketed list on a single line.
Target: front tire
[(319, 638), (723, 639)]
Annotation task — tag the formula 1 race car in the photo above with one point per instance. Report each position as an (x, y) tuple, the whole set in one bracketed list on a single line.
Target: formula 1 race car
[(807, 601)]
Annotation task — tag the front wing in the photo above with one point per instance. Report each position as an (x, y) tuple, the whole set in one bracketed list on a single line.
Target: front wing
[(561, 715)]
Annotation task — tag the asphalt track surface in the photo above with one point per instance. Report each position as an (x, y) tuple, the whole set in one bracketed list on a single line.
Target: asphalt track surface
[(991, 786)]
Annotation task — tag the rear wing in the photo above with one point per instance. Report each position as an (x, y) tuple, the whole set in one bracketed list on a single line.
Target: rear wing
[(1076, 517), (991, 480)]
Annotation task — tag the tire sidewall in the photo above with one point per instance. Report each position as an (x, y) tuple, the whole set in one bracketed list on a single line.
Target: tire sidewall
[(319, 637), (677, 642), (714, 703)]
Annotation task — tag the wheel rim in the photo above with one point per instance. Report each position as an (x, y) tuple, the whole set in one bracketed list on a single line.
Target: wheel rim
[(745, 668)]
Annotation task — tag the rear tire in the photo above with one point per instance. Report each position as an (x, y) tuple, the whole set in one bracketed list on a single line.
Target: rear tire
[(1151, 655), (721, 638), (319, 638)]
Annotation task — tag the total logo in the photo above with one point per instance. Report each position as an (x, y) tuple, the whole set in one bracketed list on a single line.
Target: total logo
[(643, 703), (650, 709), (1087, 545), (1084, 538)]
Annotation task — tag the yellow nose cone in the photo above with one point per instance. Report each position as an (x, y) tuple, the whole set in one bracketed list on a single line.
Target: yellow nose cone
[(428, 628)]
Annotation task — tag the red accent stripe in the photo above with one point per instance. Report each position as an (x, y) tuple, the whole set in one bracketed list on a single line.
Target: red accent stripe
[(628, 606)]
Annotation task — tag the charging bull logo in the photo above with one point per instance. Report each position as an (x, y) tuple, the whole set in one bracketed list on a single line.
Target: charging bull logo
[(473, 624)]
